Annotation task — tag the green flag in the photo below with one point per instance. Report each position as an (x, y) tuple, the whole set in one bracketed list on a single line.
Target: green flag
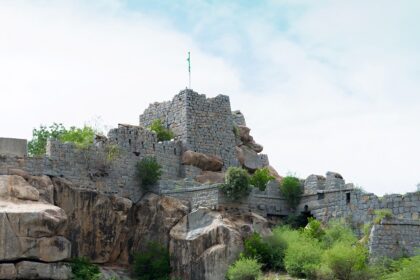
[(189, 63)]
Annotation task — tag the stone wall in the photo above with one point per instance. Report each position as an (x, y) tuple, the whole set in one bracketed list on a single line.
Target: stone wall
[(12, 146), (394, 239), (203, 124)]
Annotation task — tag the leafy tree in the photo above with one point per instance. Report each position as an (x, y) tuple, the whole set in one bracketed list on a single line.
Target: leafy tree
[(237, 183), (260, 178), (81, 137), (290, 188), (314, 229), (37, 146), (153, 263), (148, 172), (163, 134)]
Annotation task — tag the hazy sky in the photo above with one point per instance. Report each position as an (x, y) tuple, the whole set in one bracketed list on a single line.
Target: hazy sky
[(324, 85)]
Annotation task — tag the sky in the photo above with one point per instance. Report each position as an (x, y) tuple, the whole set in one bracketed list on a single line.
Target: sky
[(324, 85)]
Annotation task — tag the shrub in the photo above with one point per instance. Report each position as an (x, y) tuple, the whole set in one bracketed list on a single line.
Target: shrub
[(314, 229), (236, 183), (260, 178), (83, 269), (302, 257), (338, 231), (37, 146), (148, 172), (268, 252), (152, 264), (291, 190), (81, 137), (244, 269), (163, 134), (345, 261), (381, 214)]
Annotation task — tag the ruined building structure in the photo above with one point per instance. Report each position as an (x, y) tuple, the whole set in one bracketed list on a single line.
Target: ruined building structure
[(207, 128)]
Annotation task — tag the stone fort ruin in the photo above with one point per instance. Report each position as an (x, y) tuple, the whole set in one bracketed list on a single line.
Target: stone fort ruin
[(207, 129)]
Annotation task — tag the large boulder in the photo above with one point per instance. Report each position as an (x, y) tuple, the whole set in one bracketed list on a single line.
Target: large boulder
[(14, 186), (204, 243), (211, 177), (202, 161), (202, 246), (248, 140), (29, 229), (249, 159)]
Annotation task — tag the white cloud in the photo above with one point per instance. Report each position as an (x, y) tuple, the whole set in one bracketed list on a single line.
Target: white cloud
[(336, 89)]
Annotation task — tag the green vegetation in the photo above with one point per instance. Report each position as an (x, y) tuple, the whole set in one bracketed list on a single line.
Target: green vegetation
[(323, 252), (163, 133), (83, 269), (382, 214), (152, 264), (81, 137), (237, 183), (290, 188), (244, 269), (148, 172), (260, 178), (112, 152)]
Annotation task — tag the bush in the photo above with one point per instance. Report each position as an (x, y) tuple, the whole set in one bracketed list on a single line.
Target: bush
[(314, 229), (83, 269), (81, 137), (407, 269), (338, 231), (236, 183), (269, 252), (302, 257), (153, 264), (244, 269), (260, 178), (345, 261), (148, 172), (163, 134), (291, 190)]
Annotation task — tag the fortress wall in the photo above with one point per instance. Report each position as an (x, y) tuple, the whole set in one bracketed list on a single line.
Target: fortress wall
[(13, 147), (394, 239), (204, 196)]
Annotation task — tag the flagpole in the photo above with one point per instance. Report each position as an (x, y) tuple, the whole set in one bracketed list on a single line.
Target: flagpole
[(189, 70)]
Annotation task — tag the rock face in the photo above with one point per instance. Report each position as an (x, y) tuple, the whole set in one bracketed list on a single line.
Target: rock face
[(249, 159), (204, 243), (202, 161), (30, 230)]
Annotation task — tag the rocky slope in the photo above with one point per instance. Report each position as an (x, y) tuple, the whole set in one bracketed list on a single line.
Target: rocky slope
[(37, 237)]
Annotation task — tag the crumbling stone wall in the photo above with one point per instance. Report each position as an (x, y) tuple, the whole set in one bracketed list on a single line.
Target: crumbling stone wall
[(12, 146), (394, 239)]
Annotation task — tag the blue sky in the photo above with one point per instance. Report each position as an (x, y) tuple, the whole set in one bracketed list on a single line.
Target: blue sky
[(324, 85)]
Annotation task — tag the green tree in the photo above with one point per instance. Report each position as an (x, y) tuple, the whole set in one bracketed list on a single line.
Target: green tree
[(260, 178), (37, 146), (83, 269), (163, 134), (291, 190), (148, 172), (237, 183), (81, 137)]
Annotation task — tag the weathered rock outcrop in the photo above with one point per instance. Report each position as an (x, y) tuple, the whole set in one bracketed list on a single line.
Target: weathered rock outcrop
[(249, 159), (202, 161), (204, 243), (30, 230)]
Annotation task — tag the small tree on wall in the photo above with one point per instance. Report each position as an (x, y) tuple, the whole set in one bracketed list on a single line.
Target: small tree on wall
[(237, 183), (148, 172), (163, 134), (290, 188)]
